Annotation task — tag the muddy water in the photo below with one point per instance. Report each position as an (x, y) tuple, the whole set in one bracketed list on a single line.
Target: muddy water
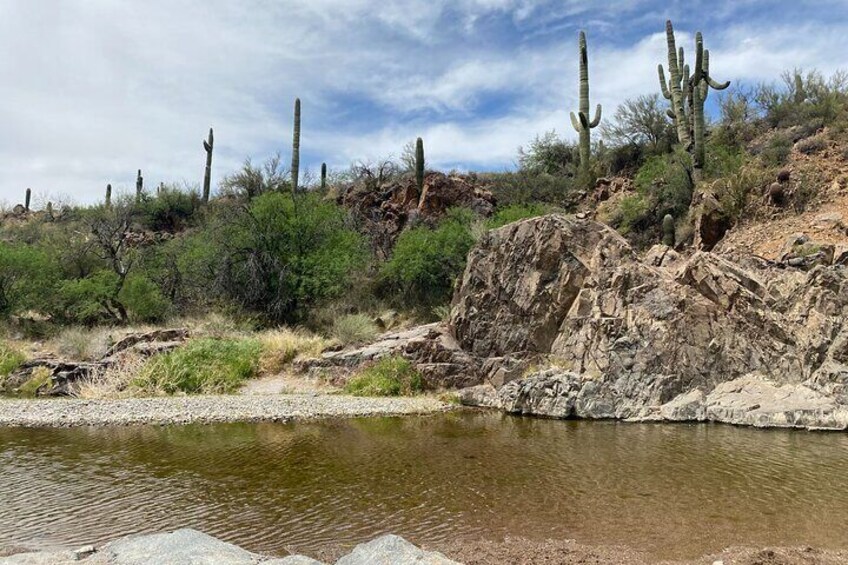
[(672, 490)]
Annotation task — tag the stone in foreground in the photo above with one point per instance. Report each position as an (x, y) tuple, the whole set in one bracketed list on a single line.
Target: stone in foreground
[(393, 550)]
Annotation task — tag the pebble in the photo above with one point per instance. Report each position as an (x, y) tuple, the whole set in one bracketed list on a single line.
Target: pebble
[(205, 409)]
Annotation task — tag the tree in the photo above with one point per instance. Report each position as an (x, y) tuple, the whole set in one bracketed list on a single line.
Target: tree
[(640, 121), (252, 181), (27, 278), (548, 154)]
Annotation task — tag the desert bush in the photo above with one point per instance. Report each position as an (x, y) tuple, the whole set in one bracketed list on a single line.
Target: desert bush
[(777, 150), (283, 345), (114, 382), (284, 254), (391, 376), (171, 210), (354, 329), (40, 377), (255, 180), (143, 299), (10, 359), (84, 344), (27, 279), (209, 366), (426, 261), (811, 145), (640, 122), (734, 190), (548, 154)]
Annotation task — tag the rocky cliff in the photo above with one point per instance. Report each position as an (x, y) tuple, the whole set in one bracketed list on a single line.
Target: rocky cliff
[(662, 337)]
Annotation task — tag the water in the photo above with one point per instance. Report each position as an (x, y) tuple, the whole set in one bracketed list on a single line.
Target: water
[(674, 491)]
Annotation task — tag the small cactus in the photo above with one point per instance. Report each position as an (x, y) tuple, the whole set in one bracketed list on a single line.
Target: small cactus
[(208, 145), (295, 167), (581, 121), (323, 176), (668, 230), (108, 196), (27, 199), (139, 186), (419, 164), (50, 210)]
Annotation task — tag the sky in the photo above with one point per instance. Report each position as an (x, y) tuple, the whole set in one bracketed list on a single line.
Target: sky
[(92, 90)]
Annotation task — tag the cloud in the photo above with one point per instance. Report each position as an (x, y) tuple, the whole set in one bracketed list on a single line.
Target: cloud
[(94, 90)]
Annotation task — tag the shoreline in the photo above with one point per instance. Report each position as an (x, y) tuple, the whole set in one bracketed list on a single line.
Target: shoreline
[(190, 545), (184, 410)]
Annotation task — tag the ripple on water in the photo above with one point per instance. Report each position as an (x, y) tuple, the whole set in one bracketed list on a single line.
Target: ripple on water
[(672, 490)]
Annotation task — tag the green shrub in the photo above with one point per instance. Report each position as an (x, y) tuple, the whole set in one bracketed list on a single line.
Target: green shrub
[(354, 329), (89, 300), (516, 212), (776, 151), (143, 299), (811, 145), (210, 366), (426, 262), (27, 279), (391, 376), (10, 359), (632, 211), (170, 210), (283, 255)]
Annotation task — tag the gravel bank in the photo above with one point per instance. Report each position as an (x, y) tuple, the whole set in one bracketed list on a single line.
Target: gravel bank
[(205, 410)]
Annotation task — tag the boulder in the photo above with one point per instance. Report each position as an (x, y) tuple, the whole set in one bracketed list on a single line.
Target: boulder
[(646, 339), (392, 550)]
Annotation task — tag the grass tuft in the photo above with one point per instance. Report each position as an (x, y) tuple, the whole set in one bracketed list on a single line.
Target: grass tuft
[(282, 346), (392, 376), (353, 329), (202, 366), (10, 359)]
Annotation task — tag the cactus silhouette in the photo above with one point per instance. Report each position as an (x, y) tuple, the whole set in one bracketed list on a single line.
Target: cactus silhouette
[(419, 164), (208, 145), (295, 167), (139, 186), (108, 196), (27, 199), (581, 121), (323, 176), (676, 89)]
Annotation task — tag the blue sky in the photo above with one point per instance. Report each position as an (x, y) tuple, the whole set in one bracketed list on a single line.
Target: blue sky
[(94, 89)]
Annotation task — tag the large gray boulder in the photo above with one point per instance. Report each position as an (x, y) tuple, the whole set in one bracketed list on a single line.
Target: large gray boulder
[(617, 337), (392, 550)]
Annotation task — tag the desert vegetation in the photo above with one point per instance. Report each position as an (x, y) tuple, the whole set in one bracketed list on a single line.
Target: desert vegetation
[(292, 265)]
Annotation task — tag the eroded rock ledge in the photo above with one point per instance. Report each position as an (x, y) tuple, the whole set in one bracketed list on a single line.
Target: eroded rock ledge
[(703, 338)]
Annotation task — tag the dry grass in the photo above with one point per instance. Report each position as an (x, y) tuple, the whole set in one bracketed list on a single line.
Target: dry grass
[(82, 344), (284, 345), (354, 329), (113, 383)]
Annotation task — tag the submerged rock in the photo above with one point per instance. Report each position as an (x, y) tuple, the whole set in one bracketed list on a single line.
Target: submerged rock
[(707, 337)]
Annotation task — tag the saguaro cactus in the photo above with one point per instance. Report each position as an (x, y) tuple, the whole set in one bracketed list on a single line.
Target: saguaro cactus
[(27, 199), (688, 92), (208, 145), (323, 176), (668, 230), (581, 121), (108, 196), (676, 89), (701, 82), (419, 164), (295, 167), (139, 186)]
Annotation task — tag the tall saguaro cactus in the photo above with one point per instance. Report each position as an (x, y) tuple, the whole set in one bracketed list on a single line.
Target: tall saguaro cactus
[(419, 164), (27, 199), (108, 196), (208, 145), (581, 121), (688, 92), (701, 82), (139, 186), (323, 176), (295, 167), (676, 89)]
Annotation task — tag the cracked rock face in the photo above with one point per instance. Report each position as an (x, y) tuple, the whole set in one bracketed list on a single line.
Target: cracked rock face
[(703, 338)]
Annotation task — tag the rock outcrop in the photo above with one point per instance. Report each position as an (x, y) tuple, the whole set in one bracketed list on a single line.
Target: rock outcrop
[(384, 211), (64, 374), (698, 338)]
